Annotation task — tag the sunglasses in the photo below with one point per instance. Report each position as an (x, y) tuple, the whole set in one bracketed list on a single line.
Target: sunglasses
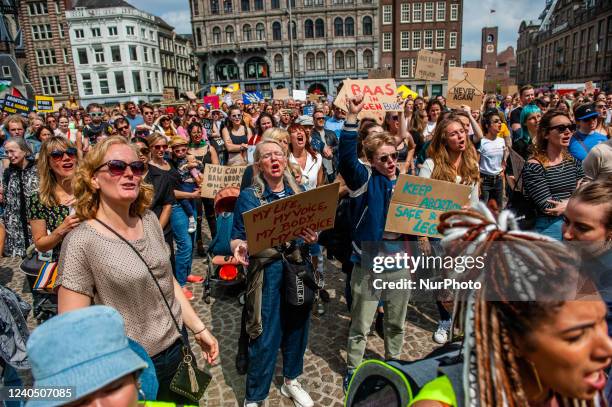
[(384, 158), (193, 115), (496, 121), (179, 150), (118, 167), (600, 106), (122, 128), (236, 116), (563, 127), (396, 118), (161, 147), (96, 114), (144, 151), (59, 154)]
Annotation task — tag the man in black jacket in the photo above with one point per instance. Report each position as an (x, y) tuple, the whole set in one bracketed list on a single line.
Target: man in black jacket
[(325, 142)]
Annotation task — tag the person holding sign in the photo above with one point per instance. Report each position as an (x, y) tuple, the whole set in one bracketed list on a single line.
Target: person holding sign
[(375, 184), (280, 323)]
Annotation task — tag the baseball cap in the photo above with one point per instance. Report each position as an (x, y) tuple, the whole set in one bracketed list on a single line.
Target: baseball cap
[(586, 111)]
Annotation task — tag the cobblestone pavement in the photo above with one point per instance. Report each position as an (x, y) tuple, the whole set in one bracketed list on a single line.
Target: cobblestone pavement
[(324, 364)]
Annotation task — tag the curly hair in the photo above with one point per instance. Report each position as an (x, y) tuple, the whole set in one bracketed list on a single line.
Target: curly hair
[(88, 197), (46, 177)]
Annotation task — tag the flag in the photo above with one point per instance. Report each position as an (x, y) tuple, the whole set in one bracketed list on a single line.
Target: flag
[(232, 87), (17, 93), (4, 85), (252, 97)]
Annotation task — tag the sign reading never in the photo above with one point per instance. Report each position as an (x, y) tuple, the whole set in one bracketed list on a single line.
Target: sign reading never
[(283, 220), (217, 177), (465, 87), (430, 65), (417, 203)]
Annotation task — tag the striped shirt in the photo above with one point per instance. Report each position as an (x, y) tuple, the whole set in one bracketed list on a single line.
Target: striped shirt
[(556, 182)]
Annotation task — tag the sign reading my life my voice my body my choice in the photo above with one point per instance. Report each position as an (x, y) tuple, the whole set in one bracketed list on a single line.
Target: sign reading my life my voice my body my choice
[(417, 203), (280, 221)]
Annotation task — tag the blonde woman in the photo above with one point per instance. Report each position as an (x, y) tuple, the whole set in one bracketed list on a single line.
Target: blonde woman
[(112, 200)]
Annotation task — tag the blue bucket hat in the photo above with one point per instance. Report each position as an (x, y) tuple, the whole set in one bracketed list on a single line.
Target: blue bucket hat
[(86, 349)]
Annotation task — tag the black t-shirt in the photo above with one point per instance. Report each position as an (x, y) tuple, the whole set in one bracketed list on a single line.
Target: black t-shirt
[(163, 187), (515, 116)]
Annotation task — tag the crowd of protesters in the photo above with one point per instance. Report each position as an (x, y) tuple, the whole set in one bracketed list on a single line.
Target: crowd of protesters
[(74, 180)]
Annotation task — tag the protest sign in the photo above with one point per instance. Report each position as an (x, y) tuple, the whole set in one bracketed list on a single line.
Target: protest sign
[(465, 87), (518, 163), (379, 96), (309, 110), (417, 204), (280, 94), (15, 105), (168, 94), (430, 65), (280, 221), (509, 90), (45, 104), (299, 94), (207, 124), (314, 98), (217, 177), (212, 101)]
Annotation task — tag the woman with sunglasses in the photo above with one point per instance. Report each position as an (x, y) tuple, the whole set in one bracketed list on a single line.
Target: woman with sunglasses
[(551, 175), (395, 124), (111, 201), (236, 136)]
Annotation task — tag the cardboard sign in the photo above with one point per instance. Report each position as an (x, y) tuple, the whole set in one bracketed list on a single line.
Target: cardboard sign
[(465, 87), (45, 104), (314, 98), (217, 177), (280, 221), (15, 105), (280, 94), (509, 90), (207, 124), (211, 101), (518, 163), (168, 94), (379, 95), (430, 65), (299, 94), (417, 203), (380, 73)]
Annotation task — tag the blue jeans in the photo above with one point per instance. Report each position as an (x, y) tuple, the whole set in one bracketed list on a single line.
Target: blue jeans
[(285, 327), (166, 363), (549, 226), (189, 205), (184, 243), (10, 378)]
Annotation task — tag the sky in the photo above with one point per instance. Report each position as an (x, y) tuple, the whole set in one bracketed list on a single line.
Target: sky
[(508, 16)]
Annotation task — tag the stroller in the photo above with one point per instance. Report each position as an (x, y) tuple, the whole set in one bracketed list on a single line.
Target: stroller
[(223, 269)]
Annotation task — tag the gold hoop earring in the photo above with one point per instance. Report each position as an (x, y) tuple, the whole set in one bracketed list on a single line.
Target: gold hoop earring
[(537, 376)]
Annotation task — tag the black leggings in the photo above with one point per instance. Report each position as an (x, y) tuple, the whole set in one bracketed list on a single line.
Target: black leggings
[(209, 213)]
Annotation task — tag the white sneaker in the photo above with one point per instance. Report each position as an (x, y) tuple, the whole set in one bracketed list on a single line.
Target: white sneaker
[(251, 404), (441, 334), (294, 391), (192, 225)]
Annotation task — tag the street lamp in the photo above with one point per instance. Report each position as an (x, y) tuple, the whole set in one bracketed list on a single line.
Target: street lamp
[(291, 56)]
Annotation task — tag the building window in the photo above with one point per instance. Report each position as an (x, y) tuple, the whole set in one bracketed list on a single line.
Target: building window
[(440, 11), (405, 40), (227, 6), (216, 35), (195, 7), (60, 28), (245, 5), (42, 32), (99, 55), (350, 59), (452, 63), (82, 53), (276, 31), (136, 81), (120, 82), (296, 63), (321, 61), (152, 35), (247, 34), (338, 27), (87, 86), (349, 27), (256, 68), (368, 59), (133, 53), (428, 39), (440, 35), (405, 68), (46, 57), (387, 42), (150, 82), (278, 63), (308, 3), (214, 6), (145, 52), (275, 4), (116, 53), (129, 30), (452, 40), (367, 25), (6, 71), (429, 11), (51, 85), (78, 33), (66, 55), (308, 29), (38, 8), (226, 70), (319, 28), (112, 31), (387, 17), (69, 82), (416, 40), (154, 55), (143, 33), (260, 32), (405, 13), (103, 81), (229, 34), (95, 32), (454, 12), (310, 61), (57, 7), (339, 60), (259, 5), (417, 12)]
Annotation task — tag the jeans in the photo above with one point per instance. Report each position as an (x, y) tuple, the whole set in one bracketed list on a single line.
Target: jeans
[(189, 205), (184, 243), (492, 187), (284, 327), (166, 363), (10, 378), (549, 226)]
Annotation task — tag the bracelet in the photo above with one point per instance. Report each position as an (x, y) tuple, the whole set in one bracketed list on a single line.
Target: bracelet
[(200, 331)]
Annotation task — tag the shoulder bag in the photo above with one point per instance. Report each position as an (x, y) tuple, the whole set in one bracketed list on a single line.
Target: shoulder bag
[(188, 381), (44, 271)]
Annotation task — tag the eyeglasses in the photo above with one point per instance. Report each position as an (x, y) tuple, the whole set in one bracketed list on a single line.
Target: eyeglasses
[(147, 113), (144, 151), (384, 158), (118, 167), (236, 116), (161, 147), (96, 114), (319, 118), (562, 128), (275, 154), (59, 154), (179, 150)]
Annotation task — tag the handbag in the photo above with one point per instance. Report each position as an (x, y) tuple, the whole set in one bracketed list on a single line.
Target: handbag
[(188, 381), (44, 271), (300, 284)]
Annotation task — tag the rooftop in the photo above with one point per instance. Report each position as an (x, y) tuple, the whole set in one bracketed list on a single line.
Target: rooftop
[(94, 4)]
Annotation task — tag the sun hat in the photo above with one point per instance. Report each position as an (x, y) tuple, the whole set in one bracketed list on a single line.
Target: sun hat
[(85, 349), (177, 141)]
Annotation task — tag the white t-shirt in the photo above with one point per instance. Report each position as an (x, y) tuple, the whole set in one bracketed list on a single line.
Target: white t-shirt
[(429, 129), (491, 155), (427, 170), (311, 172)]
